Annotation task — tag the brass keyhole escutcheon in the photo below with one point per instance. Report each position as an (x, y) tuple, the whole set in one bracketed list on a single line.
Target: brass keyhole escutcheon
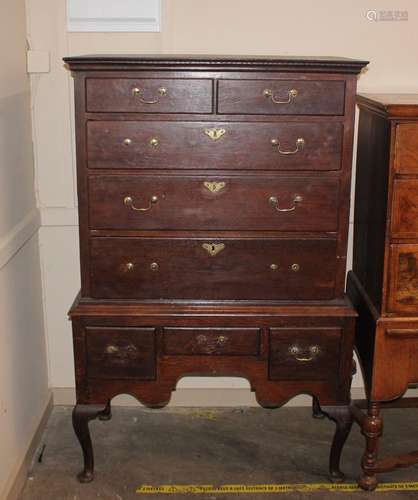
[(213, 248), (154, 266), (215, 133), (214, 186)]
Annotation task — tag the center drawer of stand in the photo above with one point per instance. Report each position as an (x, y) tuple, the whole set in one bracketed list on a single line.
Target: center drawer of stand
[(214, 341)]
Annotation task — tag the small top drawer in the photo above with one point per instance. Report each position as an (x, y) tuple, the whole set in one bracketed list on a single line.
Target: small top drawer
[(281, 97), (149, 95), (406, 148)]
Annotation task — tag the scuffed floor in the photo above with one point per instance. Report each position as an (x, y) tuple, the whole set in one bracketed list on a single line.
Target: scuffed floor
[(210, 447)]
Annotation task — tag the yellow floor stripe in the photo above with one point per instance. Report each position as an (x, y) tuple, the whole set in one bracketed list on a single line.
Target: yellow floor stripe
[(195, 489)]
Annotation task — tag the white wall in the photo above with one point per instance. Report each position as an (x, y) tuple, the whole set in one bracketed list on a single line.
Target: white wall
[(23, 365), (306, 27)]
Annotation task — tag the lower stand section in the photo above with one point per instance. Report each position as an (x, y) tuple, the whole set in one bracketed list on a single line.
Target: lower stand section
[(82, 414)]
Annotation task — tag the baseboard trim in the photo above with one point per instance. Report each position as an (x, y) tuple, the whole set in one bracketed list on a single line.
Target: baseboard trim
[(191, 397), (16, 238), (18, 480)]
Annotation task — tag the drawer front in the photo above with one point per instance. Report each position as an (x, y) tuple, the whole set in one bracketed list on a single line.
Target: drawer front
[(121, 353), (304, 353), (213, 341), (227, 202), (215, 269), (179, 145), (403, 289), (406, 148), (149, 95), (404, 219), (281, 97)]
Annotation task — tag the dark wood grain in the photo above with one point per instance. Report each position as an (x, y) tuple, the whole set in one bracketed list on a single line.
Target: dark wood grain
[(371, 200), (117, 95), (214, 202), (211, 341), (313, 97), (241, 270), (213, 279), (298, 353), (121, 353), (185, 145)]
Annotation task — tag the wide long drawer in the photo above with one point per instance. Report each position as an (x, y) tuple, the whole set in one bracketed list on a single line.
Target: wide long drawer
[(212, 268), (225, 202), (214, 145)]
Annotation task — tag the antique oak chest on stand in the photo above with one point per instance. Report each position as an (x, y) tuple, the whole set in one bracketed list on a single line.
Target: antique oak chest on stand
[(384, 282), (213, 199)]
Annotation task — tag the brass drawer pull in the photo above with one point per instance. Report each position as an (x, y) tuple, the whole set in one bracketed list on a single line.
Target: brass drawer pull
[(127, 141), (274, 201), (154, 266), (295, 267), (129, 202), (215, 133), (137, 92), (112, 349), (300, 144), (274, 267), (297, 352), (214, 187), (154, 142), (213, 248), (203, 340), (269, 94), (130, 266)]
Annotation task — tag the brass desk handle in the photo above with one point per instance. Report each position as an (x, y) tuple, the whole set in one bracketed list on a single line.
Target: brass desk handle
[(300, 144), (274, 201), (269, 94), (129, 202), (296, 352), (136, 92)]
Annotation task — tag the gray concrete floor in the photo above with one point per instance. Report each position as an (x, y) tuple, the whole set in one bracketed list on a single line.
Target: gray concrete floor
[(208, 446)]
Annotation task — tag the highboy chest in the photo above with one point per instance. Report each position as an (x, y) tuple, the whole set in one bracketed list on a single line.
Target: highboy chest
[(213, 199)]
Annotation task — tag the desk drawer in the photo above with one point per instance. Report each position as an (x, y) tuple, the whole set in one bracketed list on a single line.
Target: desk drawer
[(213, 203), (121, 353), (404, 218), (403, 272), (281, 97), (213, 341), (149, 95), (304, 353), (406, 148), (212, 268), (201, 145)]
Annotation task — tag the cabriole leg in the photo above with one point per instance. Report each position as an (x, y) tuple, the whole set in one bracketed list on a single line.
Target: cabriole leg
[(343, 419), (82, 414), (106, 414)]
